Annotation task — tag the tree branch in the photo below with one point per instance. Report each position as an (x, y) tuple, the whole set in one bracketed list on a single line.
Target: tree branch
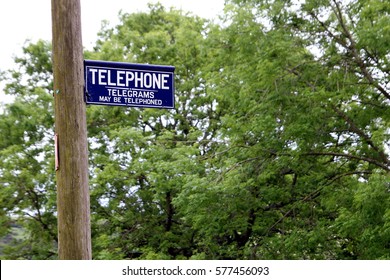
[(351, 47), (370, 160), (310, 196), (361, 133)]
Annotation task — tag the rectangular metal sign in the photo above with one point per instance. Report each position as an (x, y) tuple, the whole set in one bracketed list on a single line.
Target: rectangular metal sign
[(127, 84)]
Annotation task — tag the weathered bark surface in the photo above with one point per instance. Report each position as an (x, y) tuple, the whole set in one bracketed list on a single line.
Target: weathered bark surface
[(74, 234)]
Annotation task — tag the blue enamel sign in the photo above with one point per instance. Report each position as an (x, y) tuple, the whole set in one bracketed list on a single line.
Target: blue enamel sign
[(128, 84)]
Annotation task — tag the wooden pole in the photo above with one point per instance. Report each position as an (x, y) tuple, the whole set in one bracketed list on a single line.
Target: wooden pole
[(74, 230)]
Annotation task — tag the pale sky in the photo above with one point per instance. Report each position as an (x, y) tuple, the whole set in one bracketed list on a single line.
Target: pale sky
[(31, 19)]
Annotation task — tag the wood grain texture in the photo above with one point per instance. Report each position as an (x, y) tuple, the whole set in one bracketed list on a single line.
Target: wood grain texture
[(73, 203)]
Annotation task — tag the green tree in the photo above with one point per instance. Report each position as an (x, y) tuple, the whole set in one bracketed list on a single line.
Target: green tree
[(27, 192), (142, 157), (278, 146), (303, 96)]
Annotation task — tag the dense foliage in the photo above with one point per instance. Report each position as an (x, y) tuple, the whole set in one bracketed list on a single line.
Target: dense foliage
[(278, 147)]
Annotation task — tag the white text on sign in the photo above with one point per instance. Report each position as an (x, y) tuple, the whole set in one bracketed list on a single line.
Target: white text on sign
[(129, 79)]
